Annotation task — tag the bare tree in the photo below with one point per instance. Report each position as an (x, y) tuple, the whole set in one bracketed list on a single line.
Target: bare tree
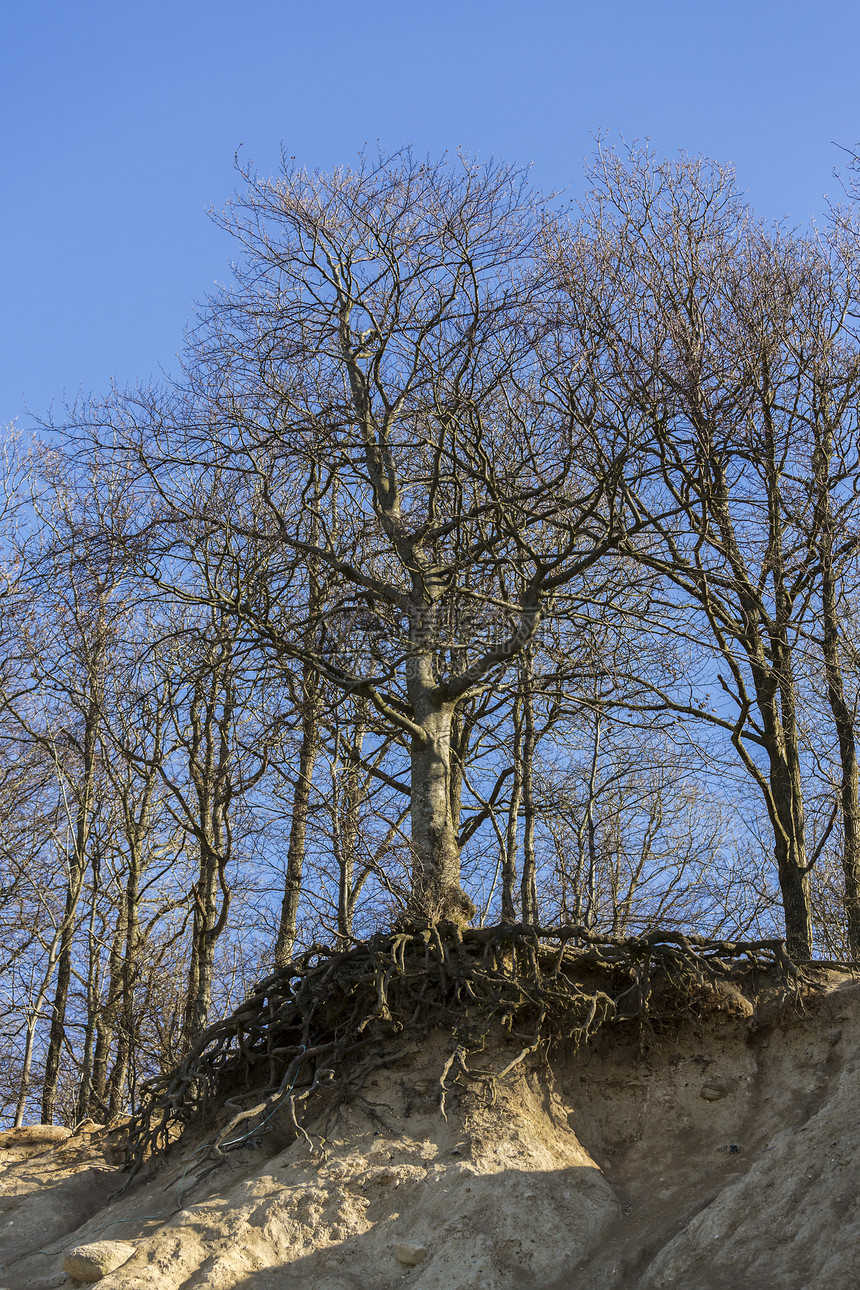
[(209, 764), (832, 483), (65, 632), (309, 704), (703, 333), (385, 336)]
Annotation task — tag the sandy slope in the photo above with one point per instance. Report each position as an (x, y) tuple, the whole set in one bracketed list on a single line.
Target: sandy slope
[(612, 1170)]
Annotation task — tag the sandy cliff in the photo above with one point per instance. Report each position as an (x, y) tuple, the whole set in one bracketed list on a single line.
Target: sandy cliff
[(720, 1152)]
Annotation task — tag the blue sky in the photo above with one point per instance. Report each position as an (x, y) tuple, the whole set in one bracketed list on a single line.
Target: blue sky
[(120, 120)]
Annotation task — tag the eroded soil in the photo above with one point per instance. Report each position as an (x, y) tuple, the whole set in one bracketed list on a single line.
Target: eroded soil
[(720, 1152)]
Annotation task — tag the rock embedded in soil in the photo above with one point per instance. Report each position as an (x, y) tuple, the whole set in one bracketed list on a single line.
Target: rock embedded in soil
[(713, 1092), (410, 1255), (34, 1135), (90, 1263)]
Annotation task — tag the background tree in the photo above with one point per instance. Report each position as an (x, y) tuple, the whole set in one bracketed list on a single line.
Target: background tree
[(704, 332)]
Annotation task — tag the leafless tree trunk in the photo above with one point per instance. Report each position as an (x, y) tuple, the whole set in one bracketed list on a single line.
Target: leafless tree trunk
[(528, 889), (210, 765), (347, 802), (302, 795), (587, 831), (77, 860), (509, 868), (843, 715)]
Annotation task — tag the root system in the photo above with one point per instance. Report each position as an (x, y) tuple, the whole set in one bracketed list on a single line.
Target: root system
[(325, 1021)]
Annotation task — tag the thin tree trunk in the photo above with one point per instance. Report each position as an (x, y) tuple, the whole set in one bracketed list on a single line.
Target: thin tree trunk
[(529, 880), (57, 1032), (210, 758), (460, 733), (208, 924), (29, 1043), (312, 691), (288, 923), (85, 1086), (843, 717), (127, 1025), (77, 866), (106, 1022), (785, 805), (509, 870), (347, 808), (589, 827), (765, 640), (843, 720)]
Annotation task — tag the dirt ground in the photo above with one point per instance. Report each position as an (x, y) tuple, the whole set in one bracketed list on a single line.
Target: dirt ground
[(722, 1152)]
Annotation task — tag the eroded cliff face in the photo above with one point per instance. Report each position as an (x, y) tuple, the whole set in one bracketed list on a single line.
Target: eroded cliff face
[(720, 1152)]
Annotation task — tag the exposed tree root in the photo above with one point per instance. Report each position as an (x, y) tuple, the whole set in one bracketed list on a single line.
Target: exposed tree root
[(327, 1019)]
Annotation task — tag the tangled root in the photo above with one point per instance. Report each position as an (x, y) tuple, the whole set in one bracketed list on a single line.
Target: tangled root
[(327, 1019)]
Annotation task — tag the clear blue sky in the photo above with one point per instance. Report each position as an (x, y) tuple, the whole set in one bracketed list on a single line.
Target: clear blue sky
[(120, 119)]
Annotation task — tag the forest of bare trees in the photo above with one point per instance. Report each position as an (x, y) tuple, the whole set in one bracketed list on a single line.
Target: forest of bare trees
[(487, 561)]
